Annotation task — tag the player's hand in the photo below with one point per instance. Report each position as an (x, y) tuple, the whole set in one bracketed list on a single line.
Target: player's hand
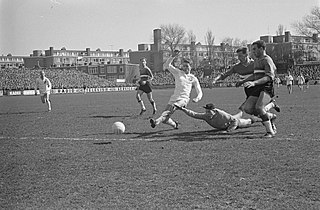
[(249, 84), (214, 81)]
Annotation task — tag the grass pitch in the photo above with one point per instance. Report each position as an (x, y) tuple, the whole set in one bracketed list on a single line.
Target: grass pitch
[(70, 159)]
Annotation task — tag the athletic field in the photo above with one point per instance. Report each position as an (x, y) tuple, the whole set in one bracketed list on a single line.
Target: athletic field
[(69, 159)]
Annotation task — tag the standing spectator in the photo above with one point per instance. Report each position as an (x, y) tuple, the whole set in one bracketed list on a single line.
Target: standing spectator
[(289, 81), (145, 86), (184, 81), (300, 80), (44, 85)]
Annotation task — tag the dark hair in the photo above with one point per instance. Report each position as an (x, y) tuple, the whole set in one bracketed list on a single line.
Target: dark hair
[(143, 58), (260, 43), (244, 50)]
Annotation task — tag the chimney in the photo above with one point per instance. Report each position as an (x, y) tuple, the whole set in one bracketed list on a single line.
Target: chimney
[(88, 51), (315, 38), (120, 52), (287, 36), (157, 39)]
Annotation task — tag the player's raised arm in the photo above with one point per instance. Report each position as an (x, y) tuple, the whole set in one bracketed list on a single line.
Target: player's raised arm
[(168, 64)]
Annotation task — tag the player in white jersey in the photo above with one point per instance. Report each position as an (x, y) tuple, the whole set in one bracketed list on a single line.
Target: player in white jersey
[(184, 81), (44, 85), (218, 118), (301, 81), (289, 81)]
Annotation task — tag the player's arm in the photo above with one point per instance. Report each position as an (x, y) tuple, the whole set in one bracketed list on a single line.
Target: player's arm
[(241, 82), (269, 69), (223, 76), (150, 74), (36, 87), (49, 85), (198, 90), (168, 64), (191, 113)]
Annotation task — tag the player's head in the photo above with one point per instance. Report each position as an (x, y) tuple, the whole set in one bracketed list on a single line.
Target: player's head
[(209, 107), (186, 66), (258, 48), (143, 61), (242, 54), (42, 74)]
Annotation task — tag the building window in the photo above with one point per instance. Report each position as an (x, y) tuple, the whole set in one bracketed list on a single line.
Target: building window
[(121, 70), (111, 69)]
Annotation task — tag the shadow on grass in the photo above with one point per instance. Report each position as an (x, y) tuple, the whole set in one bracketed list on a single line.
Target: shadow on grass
[(198, 135), (23, 112)]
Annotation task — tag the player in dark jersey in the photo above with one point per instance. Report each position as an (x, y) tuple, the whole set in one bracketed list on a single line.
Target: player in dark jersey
[(245, 69), (144, 86), (260, 85)]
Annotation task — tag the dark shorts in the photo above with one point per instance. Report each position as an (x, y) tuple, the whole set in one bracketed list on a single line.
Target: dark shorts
[(146, 87), (256, 90)]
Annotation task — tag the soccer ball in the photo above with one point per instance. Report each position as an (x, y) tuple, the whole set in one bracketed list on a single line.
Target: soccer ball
[(118, 128)]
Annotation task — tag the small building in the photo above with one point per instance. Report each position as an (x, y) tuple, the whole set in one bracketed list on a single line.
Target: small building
[(66, 58), (10, 61)]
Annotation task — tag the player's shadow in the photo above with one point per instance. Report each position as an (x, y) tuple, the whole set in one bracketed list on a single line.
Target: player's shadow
[(199, 135)]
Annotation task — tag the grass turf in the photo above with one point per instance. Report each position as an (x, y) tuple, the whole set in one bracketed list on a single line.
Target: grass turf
[(69, 158)]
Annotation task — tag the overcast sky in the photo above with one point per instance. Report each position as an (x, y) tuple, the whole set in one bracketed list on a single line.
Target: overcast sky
[(27, 25)]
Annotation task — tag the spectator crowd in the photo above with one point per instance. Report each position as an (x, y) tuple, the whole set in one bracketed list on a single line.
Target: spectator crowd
[(24, 79)]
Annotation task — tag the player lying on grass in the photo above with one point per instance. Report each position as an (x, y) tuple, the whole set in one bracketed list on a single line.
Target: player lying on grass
[(218, 118)]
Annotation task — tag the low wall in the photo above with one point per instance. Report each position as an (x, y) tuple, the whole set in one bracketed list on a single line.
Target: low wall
[(66, 91)]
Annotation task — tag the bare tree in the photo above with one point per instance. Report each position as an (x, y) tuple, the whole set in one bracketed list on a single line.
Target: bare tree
[(191, 36), (280, 30), (209, 39), (228, 40), (172, 35), (310, 24)]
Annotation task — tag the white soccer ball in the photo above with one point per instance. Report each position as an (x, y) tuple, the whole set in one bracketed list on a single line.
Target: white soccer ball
[(118, 128)]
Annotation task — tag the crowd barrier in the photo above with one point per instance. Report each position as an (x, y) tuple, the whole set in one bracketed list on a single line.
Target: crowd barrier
[(66, 91)]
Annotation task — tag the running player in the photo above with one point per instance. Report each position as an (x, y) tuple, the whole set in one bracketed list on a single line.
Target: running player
[(261, 87), (245, 69), (44, 85), (184, 81)]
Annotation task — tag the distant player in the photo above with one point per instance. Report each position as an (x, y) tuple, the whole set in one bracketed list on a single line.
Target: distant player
[(44, 85), (301, 81), (289, 82), (218, 118), (144, 86), (184, 81)]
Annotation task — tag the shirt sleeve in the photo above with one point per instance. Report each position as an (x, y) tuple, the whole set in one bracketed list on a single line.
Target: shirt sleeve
[(227, 74), (193, 114), (49, 85), (198, 89), (269, 67)]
